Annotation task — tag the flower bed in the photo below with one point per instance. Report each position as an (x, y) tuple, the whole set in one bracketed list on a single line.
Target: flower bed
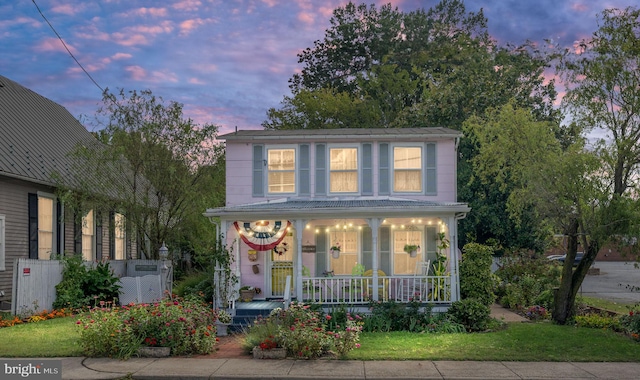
[(185, 326)]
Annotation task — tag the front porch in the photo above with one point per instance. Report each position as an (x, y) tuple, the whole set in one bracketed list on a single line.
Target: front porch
[(360, 290)]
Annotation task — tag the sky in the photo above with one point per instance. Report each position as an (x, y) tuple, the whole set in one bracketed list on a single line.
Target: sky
[(226, 61)]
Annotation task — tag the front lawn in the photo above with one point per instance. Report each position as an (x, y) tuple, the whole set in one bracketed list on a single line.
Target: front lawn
[(542, 341), (519, 342)]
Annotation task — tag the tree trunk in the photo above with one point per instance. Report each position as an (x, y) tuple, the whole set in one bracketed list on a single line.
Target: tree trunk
[(565, 297)]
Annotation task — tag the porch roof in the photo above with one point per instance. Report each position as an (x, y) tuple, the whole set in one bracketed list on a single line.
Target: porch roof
[(330, 208)]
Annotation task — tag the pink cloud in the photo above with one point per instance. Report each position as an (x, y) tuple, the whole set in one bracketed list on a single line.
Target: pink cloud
[(119, 56), (156, 12), (270, 3), (196, 81), (306, 18), (206, 67), (188, 26), (163, 27), (140, 74), (137, 72), (125, 39), (187, 5), (579, 7), (67, 9), (54, 45), (34, 23)]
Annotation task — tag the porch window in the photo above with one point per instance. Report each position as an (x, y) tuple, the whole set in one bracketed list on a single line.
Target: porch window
[(343, 170), (118, 236), (46, 218), (282, 170), (88, 236), (403, 263), (407, 169), (348, 241)]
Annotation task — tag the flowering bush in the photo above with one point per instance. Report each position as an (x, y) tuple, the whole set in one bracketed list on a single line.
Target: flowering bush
[(303, 333), (347, 340), (631, 324), (184, 325), (223, 317), (536, 313), (37, 317), (268, 343)]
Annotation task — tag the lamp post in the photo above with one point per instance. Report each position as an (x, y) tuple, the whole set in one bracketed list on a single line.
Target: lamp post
[(163, 252)]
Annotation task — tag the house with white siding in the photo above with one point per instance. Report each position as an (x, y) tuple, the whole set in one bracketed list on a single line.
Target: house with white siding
[(386, 198)]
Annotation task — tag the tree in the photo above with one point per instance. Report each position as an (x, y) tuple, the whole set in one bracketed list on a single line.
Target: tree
[(566, 187), (603, 77), (381, 68), (155, 167)]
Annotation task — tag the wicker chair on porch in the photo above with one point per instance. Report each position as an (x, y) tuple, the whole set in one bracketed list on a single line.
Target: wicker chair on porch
[(383, 284)]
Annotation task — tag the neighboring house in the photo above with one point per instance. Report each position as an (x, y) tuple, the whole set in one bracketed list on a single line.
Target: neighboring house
[(294, 194), (36, 137)]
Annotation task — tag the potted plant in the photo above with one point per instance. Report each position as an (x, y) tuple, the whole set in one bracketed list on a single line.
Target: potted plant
[(335, 250), (223, 320), (411, 249), (247, 293)]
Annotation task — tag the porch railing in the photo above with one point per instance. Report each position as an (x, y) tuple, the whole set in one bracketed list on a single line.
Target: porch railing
[(359, 290)]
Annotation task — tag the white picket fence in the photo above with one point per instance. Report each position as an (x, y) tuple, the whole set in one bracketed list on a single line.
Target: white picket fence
[(34, 282)]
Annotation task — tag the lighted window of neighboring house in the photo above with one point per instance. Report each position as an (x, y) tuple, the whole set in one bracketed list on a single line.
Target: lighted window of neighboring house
[(88, 236), (281, 170), (46, 219), (407, 169), (119, 237), (403, 263), (348, 242), (343, 170)]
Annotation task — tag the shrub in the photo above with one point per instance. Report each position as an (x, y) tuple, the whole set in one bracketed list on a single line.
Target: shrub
[(472, 313), (630, 323), (476, 279), (526, 279), (184, 325), (302, 331), (597, 321), (81, 287), (536, 313)]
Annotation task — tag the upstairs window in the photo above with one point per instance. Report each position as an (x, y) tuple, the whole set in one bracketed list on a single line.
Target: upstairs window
[(281, 170), (343, 170), (407, 169)]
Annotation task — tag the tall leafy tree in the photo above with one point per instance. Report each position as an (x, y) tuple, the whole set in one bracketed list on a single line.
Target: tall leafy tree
[(437, 67), (603, 76), (155, 166), (563, 184)]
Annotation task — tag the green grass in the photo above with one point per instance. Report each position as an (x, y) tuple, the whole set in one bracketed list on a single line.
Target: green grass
[(619, 307), (542, 341), (51, 338), (519, 342)]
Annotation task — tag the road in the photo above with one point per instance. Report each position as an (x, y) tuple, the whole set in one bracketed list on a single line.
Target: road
[(617, 281)]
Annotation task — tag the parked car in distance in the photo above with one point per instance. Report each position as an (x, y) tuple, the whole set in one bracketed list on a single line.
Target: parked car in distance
[(576, 261)]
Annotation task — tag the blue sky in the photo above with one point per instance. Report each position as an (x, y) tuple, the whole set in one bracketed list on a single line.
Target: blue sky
[(227, 61)]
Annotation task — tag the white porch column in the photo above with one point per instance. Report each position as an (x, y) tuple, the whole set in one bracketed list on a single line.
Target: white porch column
[(299, 224), (452, 224), (374, 223)]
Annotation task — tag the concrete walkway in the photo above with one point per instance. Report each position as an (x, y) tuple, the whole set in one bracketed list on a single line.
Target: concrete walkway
[(237, 369)]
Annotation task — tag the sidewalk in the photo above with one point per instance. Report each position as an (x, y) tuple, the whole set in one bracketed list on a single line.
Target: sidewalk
[(237, 369)]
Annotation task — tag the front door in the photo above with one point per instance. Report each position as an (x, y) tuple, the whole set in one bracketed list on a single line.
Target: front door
[(280, 263)]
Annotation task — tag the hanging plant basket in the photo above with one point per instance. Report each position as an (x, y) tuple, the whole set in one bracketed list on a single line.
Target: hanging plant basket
[(335, 253), (412, 250)]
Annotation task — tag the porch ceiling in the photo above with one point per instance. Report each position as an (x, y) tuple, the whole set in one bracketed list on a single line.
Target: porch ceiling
[(360, 208)]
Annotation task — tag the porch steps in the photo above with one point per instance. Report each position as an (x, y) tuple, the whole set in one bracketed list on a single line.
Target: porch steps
[(247, 312)]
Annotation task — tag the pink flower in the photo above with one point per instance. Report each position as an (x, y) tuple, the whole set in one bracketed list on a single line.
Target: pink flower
[(328, 317)]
